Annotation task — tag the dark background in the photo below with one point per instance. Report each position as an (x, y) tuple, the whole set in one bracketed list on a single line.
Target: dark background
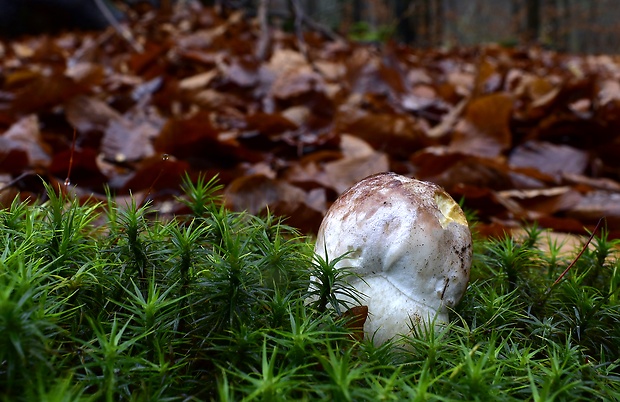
[(565, 25)]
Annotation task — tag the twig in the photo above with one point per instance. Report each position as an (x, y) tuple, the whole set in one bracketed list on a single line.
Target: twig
[(298, 15), (585, 246), (68, 179), (264, 39), (316, 26), (312, 24), (15, 180), (165, 158), (122, 31)]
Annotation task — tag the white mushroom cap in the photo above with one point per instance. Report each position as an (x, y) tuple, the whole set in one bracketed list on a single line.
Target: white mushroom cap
[(410, 244)]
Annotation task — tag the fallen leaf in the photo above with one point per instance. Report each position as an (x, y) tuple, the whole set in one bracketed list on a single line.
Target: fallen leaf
[(22, 146), (552, 159), (355, 318), (484, 130)]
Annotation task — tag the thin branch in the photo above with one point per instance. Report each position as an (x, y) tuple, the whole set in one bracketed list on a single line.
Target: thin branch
[(68, 179), (15, 180), (585, 246), (311, 24), (316, 26), (121, 30), (265, 37), (298, 15)]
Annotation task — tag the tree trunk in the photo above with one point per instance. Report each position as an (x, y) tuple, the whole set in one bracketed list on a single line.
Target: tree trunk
[(515, 18), (593, 38), (438, 18), (358, 11), (405, 30), (532, 20), (427, 15), (566, 21)]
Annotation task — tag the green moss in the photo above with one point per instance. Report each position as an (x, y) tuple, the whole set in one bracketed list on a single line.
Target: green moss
[(217, 306)]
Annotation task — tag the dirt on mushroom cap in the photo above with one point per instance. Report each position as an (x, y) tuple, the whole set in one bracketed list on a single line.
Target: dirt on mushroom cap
[(405, 235)]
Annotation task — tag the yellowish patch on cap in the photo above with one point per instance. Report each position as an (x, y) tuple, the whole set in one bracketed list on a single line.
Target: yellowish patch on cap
[(450, 210)]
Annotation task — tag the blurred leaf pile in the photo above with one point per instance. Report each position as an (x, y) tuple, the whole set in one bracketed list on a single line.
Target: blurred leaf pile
[(520, 134)]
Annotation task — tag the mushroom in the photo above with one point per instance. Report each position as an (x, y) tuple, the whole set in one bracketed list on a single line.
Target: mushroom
[(409, 244)]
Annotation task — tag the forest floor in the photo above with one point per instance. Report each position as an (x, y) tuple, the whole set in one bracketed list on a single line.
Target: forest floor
[(115, 301), (289, 122)]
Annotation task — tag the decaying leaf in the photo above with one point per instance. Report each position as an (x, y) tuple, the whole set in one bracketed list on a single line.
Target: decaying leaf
[(518, 133)]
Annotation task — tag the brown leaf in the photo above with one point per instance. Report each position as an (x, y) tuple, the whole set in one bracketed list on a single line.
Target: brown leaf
[(448, 121), (609, 92), (243, 73), (256, 193), (488, 80), (198, 81), (84, 168), (14, 160), (269, 124), (22, 146), (592, 183), (452, 169), (485, 129), (195, 137), (595, 205), (157, 173), (345, 172), (338, 171), (147, 63), (127, 141), (544, 202), (398, 135), (552, 159), (355, 318), (45, 91), (85, 74), (432, 161), (88, 114), (294, 83)]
